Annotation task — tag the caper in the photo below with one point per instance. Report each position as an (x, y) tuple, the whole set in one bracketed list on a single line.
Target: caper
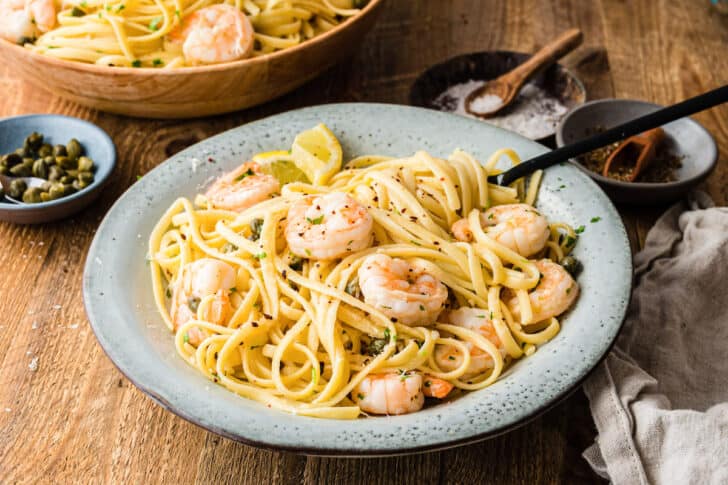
[(74, 149), (79, 185), (46, 186), (21, 152), (59, 151), (571, 264), (12, 159), (25, 169), (87, 177), (32, 195), (45, 150), (66, 163), (68, 189), (40, 169), (72, 173), (16, 189), (57, 191), (66, 179), (55, 173), (85, 164), (45, 196), (4, 169), (33, 141)]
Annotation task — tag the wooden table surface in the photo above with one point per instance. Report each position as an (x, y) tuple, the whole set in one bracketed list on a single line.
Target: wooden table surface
[(76, 419)]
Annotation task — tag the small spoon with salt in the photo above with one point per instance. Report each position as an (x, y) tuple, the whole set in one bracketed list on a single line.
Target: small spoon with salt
[(498, 93)]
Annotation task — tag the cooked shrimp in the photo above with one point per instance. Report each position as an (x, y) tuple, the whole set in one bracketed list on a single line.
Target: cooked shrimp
[(434, 387), (478, 320), (328, 226), (196, 281), (403, 291), (25, 20), (393, 393), (554, 294), (218, 33), (517, 226), (242, 188)]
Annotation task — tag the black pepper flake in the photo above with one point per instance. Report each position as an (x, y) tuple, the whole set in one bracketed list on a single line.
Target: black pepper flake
[(394, 320), (269, 317), (254, 324)]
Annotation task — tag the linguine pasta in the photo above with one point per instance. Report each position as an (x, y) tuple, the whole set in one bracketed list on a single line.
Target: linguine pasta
[(299, 337), (134, 33)]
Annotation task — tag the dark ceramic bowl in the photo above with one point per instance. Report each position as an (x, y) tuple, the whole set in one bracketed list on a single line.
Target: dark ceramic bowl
[(57, 129), (557, 81), (687, 140)]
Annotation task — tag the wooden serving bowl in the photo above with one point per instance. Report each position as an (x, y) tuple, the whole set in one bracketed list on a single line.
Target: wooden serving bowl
[(191, 92)]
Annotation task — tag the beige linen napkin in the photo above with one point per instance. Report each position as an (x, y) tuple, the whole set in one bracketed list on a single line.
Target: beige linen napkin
[(660, 398)]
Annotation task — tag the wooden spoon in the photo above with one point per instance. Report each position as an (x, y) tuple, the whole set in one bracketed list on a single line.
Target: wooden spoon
[(498, 93), (636, 152)]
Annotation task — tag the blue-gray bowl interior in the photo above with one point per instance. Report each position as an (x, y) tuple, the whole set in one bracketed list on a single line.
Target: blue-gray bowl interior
[(687, 139), (59, 129), (120, 305)]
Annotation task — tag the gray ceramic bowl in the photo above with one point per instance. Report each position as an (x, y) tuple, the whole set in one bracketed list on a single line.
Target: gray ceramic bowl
[(120, 306), (57, 129), (688, 140)]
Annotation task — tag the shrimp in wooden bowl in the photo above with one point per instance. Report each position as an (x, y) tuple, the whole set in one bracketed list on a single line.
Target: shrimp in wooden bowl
[(24, 20), (328, 226), (403, 291), (242, 188), (205, 282), (214, 34)]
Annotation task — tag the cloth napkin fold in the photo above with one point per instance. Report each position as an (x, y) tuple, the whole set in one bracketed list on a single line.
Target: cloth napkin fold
[(660, 398)]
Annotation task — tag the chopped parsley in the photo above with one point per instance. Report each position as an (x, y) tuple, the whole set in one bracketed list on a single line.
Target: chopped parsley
[(186, 338), (375, 346), (450, 357), (136, 63), (193, 303), (570, 241), (579, 229), (360, 396), (595, 219), (154, 23), (77, 12), (387, 334), (490, 216), (256, 225), (169, 293), (315, 221), (422, 308), (249, 172), (308, 251), (233, 289), (314, 376), (157, 62), (260, 255), (428, 383)]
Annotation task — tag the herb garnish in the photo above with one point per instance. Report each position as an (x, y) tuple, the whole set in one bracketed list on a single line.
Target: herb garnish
[(315, 221)]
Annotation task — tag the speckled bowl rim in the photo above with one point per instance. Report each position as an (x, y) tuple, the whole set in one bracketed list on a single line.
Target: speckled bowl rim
[(102, 323), (641, 186), (100, 177)]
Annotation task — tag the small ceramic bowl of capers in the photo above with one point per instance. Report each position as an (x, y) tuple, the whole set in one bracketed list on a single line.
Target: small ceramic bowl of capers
[(51, 166)]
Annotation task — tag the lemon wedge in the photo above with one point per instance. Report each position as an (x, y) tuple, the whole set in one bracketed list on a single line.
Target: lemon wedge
[(279, 163), (317, 153)]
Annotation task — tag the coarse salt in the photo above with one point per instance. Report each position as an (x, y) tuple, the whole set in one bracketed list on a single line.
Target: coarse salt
[(534, 113), (33, 366)]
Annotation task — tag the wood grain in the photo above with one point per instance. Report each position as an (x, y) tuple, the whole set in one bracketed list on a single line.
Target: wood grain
[(77, 420)]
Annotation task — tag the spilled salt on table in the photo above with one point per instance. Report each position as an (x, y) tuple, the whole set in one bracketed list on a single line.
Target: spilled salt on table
[(534, 113)]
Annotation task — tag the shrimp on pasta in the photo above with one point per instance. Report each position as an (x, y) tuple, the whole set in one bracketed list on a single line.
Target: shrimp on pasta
[(363, 295)]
